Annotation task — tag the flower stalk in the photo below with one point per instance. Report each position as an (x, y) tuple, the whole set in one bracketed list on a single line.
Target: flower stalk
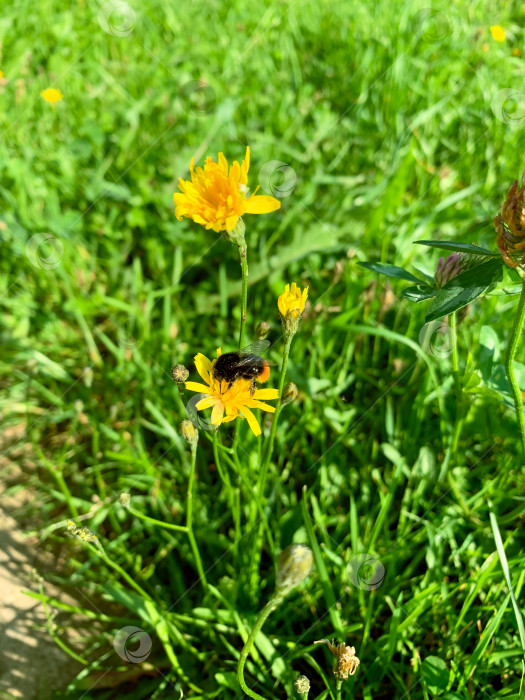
[(509, 363)]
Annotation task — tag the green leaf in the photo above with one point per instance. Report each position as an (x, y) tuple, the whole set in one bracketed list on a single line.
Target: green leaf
[(460, 248), (421, 292), (436, 674), (390, 271), (488, 350), (464, 288)]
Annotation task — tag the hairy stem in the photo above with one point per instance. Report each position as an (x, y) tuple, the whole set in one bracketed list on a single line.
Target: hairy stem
[(189, 518), (243, 250)]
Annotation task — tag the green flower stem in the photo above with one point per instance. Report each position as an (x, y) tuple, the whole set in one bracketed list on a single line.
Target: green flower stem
[(159, 523), (222, 474), (243, 250), (273, 430), (457, 382), (189, 518), (338, 686), (509, 364), (265, 612)]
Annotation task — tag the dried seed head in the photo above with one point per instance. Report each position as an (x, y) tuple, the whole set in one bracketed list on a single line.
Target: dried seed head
[(302, 684), (189, 432), (510, 226), (293, 566), (346, 661), (262, 330), (124, 499), (179, 374), (290, 393)]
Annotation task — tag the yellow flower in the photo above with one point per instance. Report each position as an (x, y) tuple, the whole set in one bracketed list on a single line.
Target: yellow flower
[(498, 33), (216, 196), (51, 95), (229, 402), (516, 52), (292, 301)]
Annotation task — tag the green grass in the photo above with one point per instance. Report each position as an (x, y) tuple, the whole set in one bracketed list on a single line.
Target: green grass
[(384, 113)]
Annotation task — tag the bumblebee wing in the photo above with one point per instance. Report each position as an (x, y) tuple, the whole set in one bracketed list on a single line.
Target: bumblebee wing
[(256, 348)]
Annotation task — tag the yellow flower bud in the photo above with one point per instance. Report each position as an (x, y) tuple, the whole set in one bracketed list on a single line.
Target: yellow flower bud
[(293, 565), (291, 306), (290, 393), (189, 432), (302, 684), (124, 499)]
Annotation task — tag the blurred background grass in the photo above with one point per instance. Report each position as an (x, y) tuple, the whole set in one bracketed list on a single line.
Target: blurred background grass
[(398, 121)]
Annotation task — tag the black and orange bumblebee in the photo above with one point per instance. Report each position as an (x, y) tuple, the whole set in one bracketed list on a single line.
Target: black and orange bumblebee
[(244, 364)]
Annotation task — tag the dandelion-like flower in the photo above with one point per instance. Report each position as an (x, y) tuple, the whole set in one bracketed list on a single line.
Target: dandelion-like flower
[(498, 33), (51, 95), (346, 661), (229, 402), (217, 195), (291, 305), (510, 226)]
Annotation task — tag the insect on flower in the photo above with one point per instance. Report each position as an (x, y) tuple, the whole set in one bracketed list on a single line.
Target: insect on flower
[(244, 364)]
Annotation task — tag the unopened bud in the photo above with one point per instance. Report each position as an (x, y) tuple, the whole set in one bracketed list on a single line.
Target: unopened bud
[(262, 330), (450, 267), (290, 393), (124, 499), (189, 432), (293, 565), (236, 235), (302, 684)]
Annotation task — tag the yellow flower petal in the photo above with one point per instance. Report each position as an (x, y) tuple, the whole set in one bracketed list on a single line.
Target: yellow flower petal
[(252, 421), (203, 367), (196, 386), (265, 394), (261, 405), (261, 204), (206, 403), (217, 413)]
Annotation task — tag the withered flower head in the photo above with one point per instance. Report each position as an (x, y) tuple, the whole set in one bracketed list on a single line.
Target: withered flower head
[(346, 661), (302, 684), (510, 226)]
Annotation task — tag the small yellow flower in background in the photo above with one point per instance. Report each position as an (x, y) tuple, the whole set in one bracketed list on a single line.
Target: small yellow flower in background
[(498, 33), (229, 402), (291, 306), (217, 197), (51, 95), (516, 52), (292, 300)]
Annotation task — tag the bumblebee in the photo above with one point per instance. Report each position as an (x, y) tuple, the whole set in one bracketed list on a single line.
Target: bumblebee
[(244, 364)]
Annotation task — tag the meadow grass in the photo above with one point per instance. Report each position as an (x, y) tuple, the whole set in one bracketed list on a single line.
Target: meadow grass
[(394, 122)]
